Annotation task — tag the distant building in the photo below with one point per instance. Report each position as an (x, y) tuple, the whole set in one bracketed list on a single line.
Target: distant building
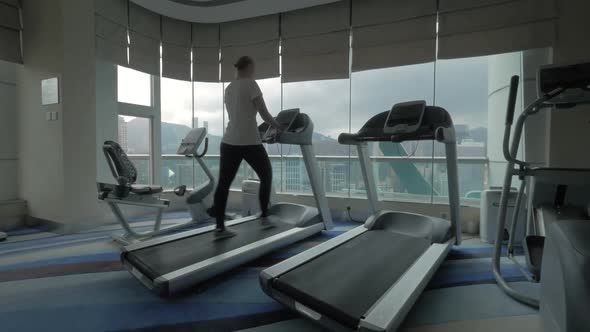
[(293, 176), (334, 176), (122, 133), (471, 148)]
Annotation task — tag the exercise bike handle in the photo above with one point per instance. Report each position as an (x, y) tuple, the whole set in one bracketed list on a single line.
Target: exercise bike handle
[(202, 154), (513, 93)]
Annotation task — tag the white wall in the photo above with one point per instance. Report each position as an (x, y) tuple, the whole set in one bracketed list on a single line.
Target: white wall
[(106, 114), (57, 158), (79, 112), (8, 132), (39, 141)]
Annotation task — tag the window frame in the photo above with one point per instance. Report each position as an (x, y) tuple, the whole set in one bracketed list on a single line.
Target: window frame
[(153, 115)]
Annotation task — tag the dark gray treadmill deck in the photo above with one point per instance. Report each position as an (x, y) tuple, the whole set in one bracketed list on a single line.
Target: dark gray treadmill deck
[(167, 257), (346, 281)]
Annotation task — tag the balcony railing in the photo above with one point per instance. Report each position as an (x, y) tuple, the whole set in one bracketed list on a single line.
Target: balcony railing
[(413, 179)]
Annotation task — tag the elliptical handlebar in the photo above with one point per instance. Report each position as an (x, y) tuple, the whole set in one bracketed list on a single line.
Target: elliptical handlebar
[(512, 99), (510, 108)]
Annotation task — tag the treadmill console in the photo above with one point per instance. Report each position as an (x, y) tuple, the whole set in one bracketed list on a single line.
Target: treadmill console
[(405, 118), (286, 119), (575, 79)]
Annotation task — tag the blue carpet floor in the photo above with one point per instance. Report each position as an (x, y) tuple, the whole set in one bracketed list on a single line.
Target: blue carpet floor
[(51, 282)]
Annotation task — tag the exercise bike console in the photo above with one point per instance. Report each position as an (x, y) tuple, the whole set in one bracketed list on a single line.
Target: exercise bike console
[(192, 141)]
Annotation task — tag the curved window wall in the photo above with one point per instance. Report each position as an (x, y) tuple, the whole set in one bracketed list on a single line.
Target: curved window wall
[(471, 89)]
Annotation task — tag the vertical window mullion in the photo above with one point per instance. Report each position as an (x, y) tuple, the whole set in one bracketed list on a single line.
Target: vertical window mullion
[(156, 134)]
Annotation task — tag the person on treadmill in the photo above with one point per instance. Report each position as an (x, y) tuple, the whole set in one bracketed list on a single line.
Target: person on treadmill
[(241, 141)]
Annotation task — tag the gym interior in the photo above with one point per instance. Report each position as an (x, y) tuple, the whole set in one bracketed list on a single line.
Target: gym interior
[(431, 173)]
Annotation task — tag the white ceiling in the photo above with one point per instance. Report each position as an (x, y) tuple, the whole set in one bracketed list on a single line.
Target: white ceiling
[(214, 11)]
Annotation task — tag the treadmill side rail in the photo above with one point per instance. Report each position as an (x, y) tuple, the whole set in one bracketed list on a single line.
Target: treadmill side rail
[(267, 275), (322, 320), (182, 235), (389, 312)]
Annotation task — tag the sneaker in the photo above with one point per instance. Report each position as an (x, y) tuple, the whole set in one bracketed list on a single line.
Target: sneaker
[(267, 222), (223, 233)]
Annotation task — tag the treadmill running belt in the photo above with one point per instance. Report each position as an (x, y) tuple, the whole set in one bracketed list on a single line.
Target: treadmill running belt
[(167, 257), (346, 281)]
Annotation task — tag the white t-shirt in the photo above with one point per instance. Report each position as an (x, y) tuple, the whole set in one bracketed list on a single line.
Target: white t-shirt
[(242, 128)]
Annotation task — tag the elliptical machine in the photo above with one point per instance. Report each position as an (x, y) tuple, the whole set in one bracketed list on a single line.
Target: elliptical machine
[(126, 192), (556, 247)]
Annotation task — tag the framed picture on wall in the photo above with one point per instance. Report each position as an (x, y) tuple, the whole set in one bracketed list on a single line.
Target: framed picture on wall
[(50, 91)]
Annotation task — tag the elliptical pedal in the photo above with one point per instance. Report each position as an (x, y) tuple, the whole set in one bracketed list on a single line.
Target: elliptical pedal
[(533, 249)]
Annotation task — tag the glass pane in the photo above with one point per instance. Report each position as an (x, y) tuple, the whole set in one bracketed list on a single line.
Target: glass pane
[(134, 138), (402, 171), (133, 87), (327, 104), (177, 114), (474, 91), (209, 114)]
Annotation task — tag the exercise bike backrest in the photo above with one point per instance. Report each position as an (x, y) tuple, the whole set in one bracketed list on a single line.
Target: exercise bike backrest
[(119, 163)]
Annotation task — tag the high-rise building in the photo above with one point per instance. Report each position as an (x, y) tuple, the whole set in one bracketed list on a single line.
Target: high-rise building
[(293, 178), (122, 133), (196, 122), (337, 177)]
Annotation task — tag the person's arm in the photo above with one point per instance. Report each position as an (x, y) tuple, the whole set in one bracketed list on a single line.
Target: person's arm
[(264, 113)]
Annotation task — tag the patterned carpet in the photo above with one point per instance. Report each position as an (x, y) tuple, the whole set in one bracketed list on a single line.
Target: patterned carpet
[(75, 282)]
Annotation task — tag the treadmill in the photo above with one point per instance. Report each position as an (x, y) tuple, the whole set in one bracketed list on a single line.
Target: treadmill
[(369, 278), (170, 264)]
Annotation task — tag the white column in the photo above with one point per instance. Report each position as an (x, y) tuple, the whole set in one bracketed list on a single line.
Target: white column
[(500, 69)]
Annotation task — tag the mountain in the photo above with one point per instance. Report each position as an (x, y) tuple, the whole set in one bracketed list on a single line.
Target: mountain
[(172, 135)]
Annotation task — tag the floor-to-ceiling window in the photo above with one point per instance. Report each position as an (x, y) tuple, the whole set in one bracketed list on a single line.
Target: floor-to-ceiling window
[(402, 171), (328, 105), (176, 122), (474, 91), (471, 89), (208, 113), (135, 120)]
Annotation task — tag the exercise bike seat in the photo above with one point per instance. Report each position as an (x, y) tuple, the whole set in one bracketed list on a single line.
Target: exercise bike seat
[(139, 189)]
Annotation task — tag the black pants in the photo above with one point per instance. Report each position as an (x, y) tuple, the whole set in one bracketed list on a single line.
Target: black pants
[(230, 160)]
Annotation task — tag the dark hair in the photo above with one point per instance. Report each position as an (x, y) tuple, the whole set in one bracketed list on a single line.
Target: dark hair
[(243, 62)]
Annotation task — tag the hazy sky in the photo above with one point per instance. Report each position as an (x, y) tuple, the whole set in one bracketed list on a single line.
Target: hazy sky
[(461, 87)]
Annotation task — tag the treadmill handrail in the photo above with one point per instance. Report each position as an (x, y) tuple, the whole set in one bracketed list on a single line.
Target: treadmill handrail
[(388, 313)]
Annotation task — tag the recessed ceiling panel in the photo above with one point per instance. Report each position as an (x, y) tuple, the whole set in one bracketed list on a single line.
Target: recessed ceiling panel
[(214, 11)]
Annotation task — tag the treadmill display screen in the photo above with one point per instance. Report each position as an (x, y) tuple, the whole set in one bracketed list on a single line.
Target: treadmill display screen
[(409, 115), (405, 117)]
